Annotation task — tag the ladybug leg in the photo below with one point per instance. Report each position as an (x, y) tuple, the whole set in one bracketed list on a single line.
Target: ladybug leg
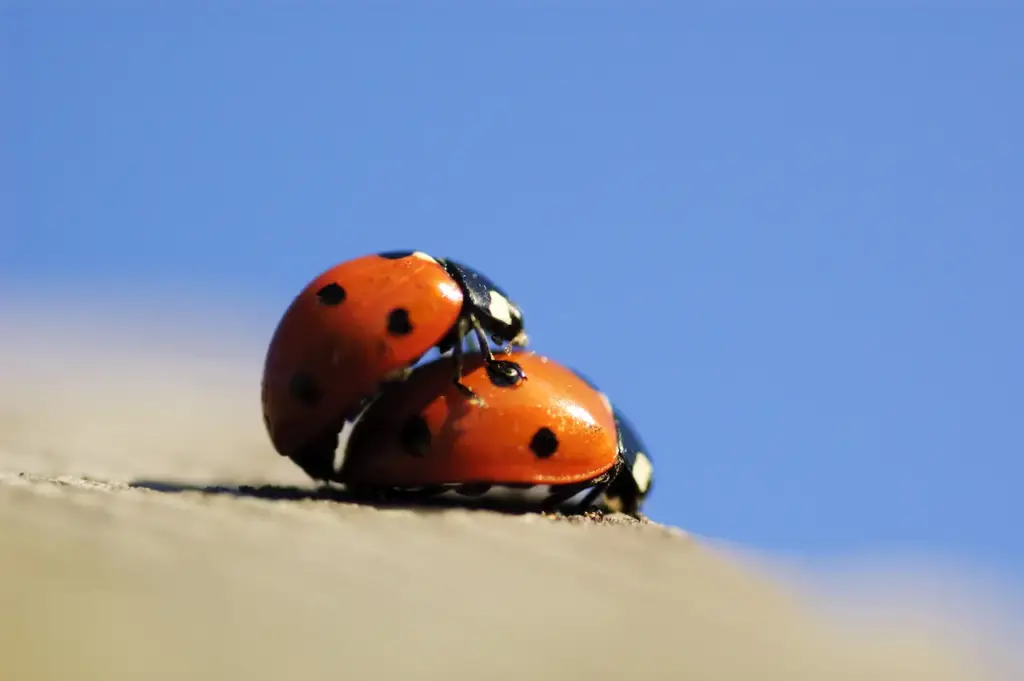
[(466, 391), (501, 370), (481, 338)]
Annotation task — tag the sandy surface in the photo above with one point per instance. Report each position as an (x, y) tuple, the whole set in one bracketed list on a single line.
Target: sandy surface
[(113, 566)]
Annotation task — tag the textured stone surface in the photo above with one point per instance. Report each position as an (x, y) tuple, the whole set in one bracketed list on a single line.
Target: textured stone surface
[(147, 531)]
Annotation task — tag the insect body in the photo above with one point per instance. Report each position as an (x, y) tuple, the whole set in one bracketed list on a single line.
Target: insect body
[(365, 322), (545, 436)]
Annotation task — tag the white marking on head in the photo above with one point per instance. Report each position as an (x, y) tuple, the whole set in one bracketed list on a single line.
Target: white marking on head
[(642, 472), (423, 256), (500, 308)]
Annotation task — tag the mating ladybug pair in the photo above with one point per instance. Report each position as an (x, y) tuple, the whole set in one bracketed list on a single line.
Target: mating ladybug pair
[(509, 425)]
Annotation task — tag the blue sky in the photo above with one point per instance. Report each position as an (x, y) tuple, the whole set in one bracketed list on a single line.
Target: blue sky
[(788, 243)]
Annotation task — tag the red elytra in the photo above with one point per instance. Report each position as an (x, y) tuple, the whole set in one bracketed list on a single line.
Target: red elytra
[(550, 428), (351, 327)]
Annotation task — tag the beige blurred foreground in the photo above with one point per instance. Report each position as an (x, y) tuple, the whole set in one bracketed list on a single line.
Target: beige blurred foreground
[(104, 579)]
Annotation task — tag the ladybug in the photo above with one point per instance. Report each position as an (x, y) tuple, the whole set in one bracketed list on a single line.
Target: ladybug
[(362, 323), (633, 484), (544, 437), (629, 489)]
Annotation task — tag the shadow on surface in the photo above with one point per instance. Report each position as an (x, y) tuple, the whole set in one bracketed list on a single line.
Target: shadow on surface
[(266, 492), (333, 494)]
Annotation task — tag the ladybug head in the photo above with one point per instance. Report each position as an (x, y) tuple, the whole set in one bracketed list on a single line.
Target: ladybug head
[(488, 304), (631, 487)]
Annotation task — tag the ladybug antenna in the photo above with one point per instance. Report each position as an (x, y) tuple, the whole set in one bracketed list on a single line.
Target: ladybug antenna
[(520, 341)]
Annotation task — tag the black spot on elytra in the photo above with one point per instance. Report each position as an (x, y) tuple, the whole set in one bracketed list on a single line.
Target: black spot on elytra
[(415, 436), (332, 294), (395, 255), (398, 322), (304, 389), (544, 443), (505, 374)]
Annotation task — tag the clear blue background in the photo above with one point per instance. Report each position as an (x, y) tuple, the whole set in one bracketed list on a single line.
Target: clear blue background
[(788, 243)]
